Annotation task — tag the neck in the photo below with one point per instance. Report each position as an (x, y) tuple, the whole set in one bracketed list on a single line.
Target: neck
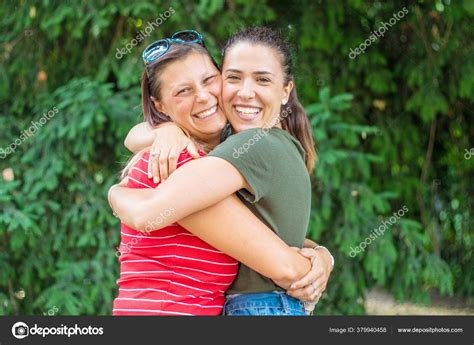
[(208, 144)]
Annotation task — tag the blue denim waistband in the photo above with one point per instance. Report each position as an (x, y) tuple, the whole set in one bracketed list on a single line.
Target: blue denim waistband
[(274, 299)]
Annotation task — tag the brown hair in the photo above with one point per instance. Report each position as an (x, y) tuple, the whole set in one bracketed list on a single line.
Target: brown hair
[(151, 87), (151, 83), (296, 121)]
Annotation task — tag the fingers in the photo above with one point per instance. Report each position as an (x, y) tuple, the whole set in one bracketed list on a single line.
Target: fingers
[(174, 153), (309, 293), (192, 149), (309, 307), (163, 165), (306, 294), (310, 277), (165, 154), (314, 298), (292, 293), (319, 286), (315, 273), (307, 252), (150, 175), (173, 161), (153, 171), (319, 270), (154, 163), (298, 294)]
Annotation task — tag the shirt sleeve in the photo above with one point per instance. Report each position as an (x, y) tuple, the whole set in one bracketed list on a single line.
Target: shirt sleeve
[(251, 153), (138, 174)]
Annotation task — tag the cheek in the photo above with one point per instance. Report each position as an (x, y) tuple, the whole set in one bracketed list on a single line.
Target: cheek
[(215, 89), (228, 91), (182, 109), (271, 98)]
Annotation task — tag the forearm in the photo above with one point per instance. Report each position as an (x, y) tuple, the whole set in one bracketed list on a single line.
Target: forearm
[(232, 228), (139, 137), (309, 243), (193, 187)]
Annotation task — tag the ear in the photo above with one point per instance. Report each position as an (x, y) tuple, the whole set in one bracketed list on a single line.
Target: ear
[(158, 105), (287, 91)]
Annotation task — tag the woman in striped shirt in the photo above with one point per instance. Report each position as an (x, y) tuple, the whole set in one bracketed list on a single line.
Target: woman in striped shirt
[(227, 225)]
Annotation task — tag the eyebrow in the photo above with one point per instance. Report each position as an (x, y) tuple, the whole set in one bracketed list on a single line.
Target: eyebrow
[(205, 76), (256, 72), (209, 75)]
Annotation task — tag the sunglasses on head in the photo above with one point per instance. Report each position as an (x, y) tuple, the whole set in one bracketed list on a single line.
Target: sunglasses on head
[(159, 48)]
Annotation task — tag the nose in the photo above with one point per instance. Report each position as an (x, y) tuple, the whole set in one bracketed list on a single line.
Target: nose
[(202, 95), (246, 91)]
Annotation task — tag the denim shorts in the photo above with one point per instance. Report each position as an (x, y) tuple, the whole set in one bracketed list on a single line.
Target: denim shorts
[(264, 303)]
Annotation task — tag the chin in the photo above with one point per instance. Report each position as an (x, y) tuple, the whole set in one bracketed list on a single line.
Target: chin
[(214, 128), (240, 125), (243, 126)]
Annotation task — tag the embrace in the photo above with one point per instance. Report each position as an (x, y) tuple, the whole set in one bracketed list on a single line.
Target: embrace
[(215, 203)]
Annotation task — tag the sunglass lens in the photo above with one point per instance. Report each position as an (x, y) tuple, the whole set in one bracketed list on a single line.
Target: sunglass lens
[(156, 50), (186, 36)]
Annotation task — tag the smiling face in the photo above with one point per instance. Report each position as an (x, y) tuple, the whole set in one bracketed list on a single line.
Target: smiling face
[(253, 88), (190, 96)]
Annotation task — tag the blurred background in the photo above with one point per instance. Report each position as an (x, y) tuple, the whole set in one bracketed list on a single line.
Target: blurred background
[(392, 115)]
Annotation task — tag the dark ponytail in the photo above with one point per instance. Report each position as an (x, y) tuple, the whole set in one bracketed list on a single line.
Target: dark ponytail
[(298, 125), (295, 121)]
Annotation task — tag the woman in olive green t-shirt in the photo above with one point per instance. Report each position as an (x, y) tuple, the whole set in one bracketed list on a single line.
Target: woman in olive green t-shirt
[(268, 162)]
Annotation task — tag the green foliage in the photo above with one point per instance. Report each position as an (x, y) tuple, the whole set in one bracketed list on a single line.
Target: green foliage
[(391, 127)]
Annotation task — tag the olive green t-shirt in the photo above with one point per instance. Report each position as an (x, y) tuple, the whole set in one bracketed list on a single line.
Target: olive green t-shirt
[(272, 162)]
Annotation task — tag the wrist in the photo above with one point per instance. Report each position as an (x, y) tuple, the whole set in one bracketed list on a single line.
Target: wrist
[(172, 125), (163, 124), (322, 248), (109, 198)]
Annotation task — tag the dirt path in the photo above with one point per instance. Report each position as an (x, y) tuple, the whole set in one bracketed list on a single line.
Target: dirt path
[(379, 302)]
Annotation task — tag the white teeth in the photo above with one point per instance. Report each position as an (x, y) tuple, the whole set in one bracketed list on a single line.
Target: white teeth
[(247, 110), (207, 113)]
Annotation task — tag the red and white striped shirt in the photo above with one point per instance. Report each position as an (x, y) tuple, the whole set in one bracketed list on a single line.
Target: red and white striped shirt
[(169, 271)]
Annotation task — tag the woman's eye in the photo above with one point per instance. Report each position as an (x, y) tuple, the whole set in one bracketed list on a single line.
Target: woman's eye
[(264, 80), (183, 90), (232, 77), (209, 79)]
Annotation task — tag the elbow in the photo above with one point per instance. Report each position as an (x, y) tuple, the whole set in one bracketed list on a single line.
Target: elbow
[(133, 218), (140, 224), (142, 219), (144, 224), (128, 144)]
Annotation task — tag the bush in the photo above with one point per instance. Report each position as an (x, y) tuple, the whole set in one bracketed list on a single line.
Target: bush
[(392, 133)]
